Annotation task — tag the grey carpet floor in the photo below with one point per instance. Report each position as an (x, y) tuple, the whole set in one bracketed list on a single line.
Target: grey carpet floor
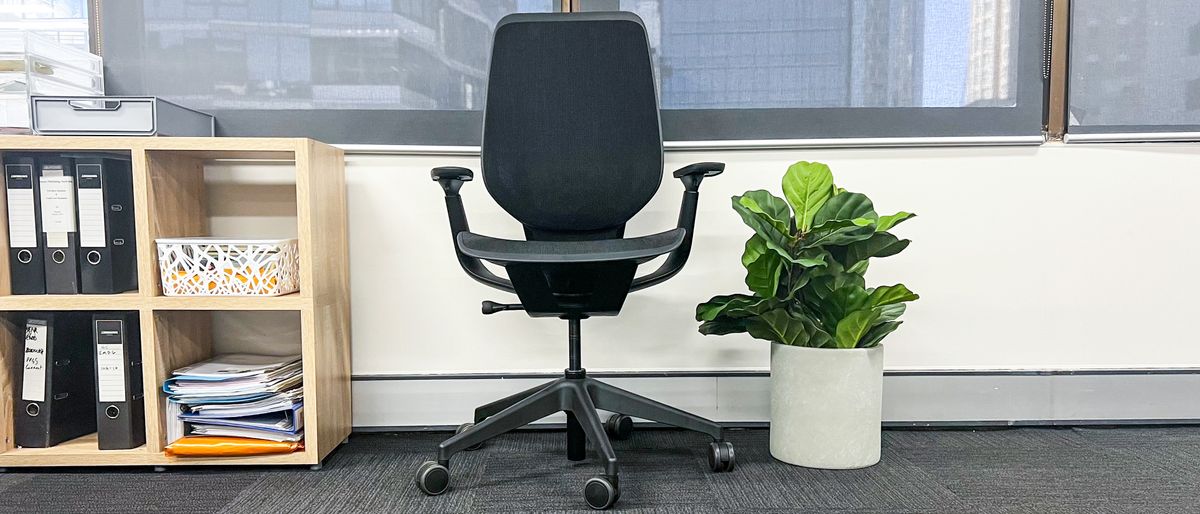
[(1027, 470)]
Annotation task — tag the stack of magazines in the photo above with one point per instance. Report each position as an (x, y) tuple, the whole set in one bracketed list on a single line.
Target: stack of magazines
[(237, 395)]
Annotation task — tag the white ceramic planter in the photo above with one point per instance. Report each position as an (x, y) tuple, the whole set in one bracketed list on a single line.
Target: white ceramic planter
[(826, 406)]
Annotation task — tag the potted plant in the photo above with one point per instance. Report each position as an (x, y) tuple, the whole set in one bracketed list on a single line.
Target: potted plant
[(804, 267)]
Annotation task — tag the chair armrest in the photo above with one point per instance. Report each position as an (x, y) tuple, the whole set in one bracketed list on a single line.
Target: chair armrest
[(453, 173), (691, 176), (505, 251), (451, 178)]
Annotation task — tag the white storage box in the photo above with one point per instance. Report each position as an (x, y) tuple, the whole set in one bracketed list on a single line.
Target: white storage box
[(34, 65), (117, 116), (205, 266)]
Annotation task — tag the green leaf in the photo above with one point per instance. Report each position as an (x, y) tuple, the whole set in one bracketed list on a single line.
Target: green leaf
[(891, 220), (811, 258), (823, 285), (877, 333), (723, 326), (829, 309), (796, 282), (818, 338), (838, 232), (887, 295), (824, 281), (755, 248), (763, 267), (859, 268), (845, 206), (844, 300), (890, 312), (769, 205), (880, 244), (807, 186), (747, 310), (854, 326), (764, 226), (778, 326), (719, 305)]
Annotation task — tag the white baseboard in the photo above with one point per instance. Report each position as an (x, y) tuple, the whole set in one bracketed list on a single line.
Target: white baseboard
[(910, 397)]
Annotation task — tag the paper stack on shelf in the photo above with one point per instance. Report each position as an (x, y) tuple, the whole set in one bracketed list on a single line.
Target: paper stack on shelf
[(238, 395)]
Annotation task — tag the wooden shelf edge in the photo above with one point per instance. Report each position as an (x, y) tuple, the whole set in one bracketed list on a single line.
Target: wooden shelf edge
[(21, 458), (294, 458), (83, 452), (134, 301), (290, 302), (32, 142), (131, 301)]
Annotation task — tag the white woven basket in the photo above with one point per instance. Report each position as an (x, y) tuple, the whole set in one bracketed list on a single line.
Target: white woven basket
[(202, 266)]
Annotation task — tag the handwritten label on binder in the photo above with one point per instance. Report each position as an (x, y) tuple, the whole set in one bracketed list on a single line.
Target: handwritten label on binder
[(110, 361), (33, 382)]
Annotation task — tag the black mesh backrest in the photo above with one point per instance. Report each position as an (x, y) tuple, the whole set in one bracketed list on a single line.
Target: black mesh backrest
[(571, 138)]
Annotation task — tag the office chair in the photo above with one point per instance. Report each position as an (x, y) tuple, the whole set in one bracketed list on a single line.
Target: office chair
[(572, 148)]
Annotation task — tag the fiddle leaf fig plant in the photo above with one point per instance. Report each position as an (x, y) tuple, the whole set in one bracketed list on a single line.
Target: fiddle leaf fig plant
[(805, 264)]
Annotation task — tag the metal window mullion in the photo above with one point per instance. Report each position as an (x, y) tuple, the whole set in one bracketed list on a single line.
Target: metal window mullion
[(1056, 101)]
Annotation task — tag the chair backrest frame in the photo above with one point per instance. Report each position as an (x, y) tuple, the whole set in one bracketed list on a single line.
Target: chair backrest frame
[(572, 140)]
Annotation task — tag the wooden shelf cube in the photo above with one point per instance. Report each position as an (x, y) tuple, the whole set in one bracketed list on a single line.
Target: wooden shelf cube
[(170, 200)]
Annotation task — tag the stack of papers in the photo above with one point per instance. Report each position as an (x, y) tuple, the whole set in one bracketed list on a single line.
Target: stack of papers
[(240, 395), (276, 426)]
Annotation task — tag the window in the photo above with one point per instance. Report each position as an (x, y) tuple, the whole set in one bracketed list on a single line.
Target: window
[(785, 54), (414, 71), (1134, 70), (343, 71), (799, 69), (65, 21)]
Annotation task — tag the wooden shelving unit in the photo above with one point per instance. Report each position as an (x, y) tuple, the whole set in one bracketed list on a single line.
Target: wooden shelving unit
[(170, 201)]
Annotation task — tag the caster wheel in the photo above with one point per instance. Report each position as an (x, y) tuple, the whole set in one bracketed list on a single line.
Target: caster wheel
[(601, 492), (315, 467), (721, 457), (463, 428), (433, 478), (619, 427), (159, 469)]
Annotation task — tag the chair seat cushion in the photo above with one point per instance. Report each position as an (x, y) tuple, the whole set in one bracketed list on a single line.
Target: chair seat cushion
[(503, 251)]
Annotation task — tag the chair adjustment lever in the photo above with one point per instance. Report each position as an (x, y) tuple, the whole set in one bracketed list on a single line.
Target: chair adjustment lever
[(490, 307)]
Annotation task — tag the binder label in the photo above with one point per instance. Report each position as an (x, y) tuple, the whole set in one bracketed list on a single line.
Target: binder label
[(22, 228), (110, 361), (33, 382), (91, 217), (58, 204)]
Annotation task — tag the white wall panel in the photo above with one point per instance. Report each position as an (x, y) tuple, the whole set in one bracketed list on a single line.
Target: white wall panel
[(1048, 257)]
